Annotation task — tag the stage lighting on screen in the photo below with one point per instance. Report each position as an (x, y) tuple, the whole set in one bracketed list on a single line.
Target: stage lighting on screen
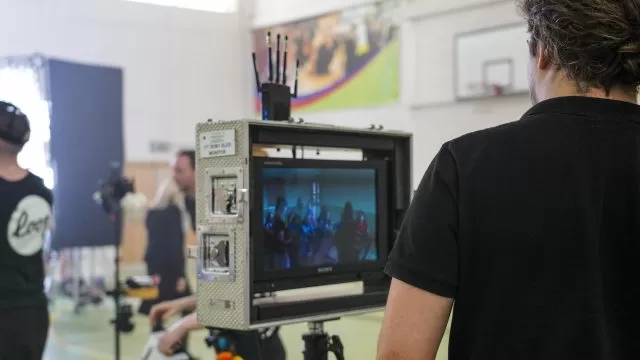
[(318, 217)]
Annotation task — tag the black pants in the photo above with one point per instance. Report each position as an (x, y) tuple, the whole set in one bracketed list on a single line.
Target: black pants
[(23, 332)]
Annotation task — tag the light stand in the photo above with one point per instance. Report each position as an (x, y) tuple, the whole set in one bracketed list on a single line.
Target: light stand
[(123, 313), (111, 192), (117, 292), (318, 343)]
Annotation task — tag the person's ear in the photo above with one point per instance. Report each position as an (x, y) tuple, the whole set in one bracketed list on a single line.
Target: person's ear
[(542, 61)]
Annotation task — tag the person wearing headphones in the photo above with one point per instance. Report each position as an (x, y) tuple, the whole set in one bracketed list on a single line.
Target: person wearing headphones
[(25, 218)]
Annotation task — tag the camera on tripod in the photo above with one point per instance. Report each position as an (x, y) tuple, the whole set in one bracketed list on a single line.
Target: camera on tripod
[(113, 189)]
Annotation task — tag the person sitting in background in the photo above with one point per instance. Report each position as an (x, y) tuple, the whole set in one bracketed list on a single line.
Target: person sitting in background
[(168, 223), (25, 218), (250, 345)]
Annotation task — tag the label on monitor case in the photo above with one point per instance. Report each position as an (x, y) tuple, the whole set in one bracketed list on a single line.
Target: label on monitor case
[(217, 143)]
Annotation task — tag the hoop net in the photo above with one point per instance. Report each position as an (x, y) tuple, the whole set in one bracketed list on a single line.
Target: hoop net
[(487, 89)]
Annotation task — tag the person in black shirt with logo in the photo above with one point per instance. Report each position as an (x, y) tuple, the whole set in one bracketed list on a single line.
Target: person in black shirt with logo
[(25, 216), (250, 345), (532, 228)]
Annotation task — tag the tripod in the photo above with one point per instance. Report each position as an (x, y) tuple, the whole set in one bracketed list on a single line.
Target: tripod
[(318, 343), (121, 322), (111, 192)]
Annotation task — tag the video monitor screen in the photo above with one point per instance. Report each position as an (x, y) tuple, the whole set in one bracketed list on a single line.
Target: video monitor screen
[(315, 217)]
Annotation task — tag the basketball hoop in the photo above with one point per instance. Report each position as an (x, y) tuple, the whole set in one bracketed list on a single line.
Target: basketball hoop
[(487, 90), (496, 90)]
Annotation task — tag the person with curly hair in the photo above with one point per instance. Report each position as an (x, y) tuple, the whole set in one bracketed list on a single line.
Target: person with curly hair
[(532, 228)]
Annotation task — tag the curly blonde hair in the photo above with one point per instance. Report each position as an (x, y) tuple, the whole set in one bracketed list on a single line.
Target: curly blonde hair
[(595, 42), (169, 194)]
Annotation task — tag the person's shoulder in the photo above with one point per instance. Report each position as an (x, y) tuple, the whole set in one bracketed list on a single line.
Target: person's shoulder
[(35, 180), (481, 136), (37, 186), (471, 145)]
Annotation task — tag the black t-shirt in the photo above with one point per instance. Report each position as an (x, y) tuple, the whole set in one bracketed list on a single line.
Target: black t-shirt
[(25, 216), (533, 228)]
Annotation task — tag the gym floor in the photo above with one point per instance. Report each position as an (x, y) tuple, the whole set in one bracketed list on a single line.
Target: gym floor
[(89, 336)]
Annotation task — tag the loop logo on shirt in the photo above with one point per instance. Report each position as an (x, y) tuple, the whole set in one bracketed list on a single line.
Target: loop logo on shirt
[(28, 225)]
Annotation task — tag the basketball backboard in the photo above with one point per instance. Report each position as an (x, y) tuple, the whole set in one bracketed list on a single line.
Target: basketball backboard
[(491, 57)]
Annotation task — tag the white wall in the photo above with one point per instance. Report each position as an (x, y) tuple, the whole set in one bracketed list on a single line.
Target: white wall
[(180, 66), (437, 118), (427, 106), (274, 12)]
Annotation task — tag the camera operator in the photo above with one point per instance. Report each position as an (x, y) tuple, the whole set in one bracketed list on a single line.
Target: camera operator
[(253, 345), (25, 217)]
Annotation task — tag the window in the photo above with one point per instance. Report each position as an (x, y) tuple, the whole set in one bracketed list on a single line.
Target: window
[(216, 6), (20, 86)]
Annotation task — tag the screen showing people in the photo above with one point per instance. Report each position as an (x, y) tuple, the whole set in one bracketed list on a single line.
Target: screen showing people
[(318, 217)]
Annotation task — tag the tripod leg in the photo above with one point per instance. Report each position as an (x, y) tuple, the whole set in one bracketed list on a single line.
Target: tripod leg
[(336, 347)]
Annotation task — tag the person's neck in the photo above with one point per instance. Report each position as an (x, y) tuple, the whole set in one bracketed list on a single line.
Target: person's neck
[(562, 88), (9, 168), (190, 193)]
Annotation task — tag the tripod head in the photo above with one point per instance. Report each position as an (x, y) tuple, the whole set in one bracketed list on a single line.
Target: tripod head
[(113, 189), (318, 343), (222, 344)]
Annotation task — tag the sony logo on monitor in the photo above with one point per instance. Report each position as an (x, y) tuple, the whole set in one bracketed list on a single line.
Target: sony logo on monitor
[(327, 269), (273, 162)]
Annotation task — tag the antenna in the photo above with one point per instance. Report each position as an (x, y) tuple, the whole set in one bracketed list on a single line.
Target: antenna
[(276, 95), (278, 59), (255, 71), (295, 82), (269, 54), (284, 61)]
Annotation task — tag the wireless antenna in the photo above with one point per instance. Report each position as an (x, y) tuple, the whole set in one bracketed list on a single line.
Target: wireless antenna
[(284, 61), (255, 71), (278, 59), (276, 95), (295, 82), (269, 54)]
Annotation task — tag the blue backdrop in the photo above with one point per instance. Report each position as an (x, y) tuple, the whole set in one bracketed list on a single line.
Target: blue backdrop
[(86, 136)]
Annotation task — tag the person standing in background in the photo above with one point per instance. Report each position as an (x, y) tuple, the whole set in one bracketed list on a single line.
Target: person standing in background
[(25, 218), (184, 175), (250, 345), (351, 50), (169, 222), (533, 227), (167, 227)]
